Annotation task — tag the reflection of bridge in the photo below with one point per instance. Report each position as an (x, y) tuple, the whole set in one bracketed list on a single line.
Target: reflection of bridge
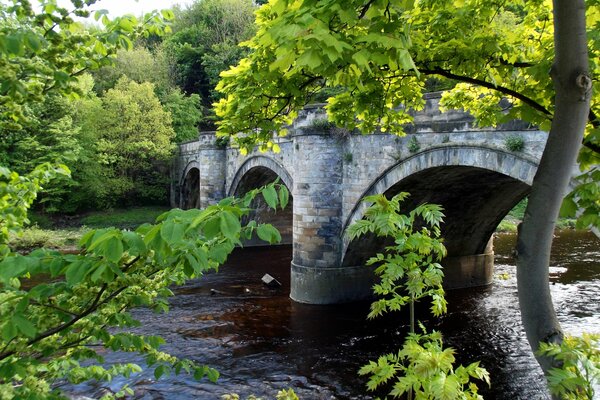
[(446, 160)]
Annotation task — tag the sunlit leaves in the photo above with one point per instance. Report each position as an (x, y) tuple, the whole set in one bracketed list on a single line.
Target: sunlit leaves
[(92, 291), (17, 193), (409, 271), (425, 367), (579, 375)]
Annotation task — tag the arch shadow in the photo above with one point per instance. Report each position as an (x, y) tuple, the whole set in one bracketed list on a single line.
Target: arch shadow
[(189, 186)]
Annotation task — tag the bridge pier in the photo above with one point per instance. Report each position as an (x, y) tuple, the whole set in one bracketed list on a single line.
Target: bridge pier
[(316, 276), (469, 271), (212, 163)]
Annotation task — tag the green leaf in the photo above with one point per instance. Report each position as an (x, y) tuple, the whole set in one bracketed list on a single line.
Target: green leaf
[(230, 225), (13, 44), (284, 195), (268, 233), (568, 208), (219, 253), (160, 371), (134, 242), (114, 249), (24, 325), (9, 331), (172, 231), (212, 227), (270, 196), (76, 272)]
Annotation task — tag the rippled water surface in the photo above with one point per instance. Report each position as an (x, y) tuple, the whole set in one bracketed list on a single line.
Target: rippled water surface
[(261, 341)]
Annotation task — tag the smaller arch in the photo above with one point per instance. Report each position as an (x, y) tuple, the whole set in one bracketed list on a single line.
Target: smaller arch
[(189, 186), (255, 162)]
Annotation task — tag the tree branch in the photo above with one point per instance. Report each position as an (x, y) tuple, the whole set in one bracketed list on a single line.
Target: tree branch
[(527, 100)]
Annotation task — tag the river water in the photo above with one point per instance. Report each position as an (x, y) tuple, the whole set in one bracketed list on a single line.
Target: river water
[(261, 341)]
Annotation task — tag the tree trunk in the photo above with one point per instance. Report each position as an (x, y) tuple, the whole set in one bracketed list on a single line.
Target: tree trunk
[(573, 92)]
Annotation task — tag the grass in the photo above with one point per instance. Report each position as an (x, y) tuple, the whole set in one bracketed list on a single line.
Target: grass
[(515, 216), (34, 237), (122, 218), (64, 232)]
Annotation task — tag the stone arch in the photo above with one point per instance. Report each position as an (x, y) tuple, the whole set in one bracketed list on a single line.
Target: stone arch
[(260, 163), (189, 186), (256, 172), (486, 183)]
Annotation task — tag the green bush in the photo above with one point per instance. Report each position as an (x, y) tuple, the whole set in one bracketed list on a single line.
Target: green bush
[(514, 143), (413, 145)]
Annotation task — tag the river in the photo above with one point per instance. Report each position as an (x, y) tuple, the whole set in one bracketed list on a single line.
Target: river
[(261, 341)]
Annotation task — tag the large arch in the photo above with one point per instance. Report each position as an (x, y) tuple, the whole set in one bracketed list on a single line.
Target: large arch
[(254, 173), (189, 187), (477, 186)]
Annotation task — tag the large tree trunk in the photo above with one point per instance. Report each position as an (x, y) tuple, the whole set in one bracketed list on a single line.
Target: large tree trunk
[(573, 92)]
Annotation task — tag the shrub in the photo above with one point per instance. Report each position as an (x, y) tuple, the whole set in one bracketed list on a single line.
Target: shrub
[(514, 143)]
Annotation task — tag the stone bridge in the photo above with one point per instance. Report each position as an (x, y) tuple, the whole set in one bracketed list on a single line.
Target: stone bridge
[(444, 159)]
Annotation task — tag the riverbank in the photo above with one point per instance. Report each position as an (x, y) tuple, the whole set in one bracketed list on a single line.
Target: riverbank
[(63, 232), (515, 216)]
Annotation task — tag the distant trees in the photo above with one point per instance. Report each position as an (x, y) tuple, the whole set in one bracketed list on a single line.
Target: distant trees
[(134, 144), (168, 81), (205, 42)]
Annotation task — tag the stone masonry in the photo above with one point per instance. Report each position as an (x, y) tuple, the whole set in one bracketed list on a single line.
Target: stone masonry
[(445, 160)]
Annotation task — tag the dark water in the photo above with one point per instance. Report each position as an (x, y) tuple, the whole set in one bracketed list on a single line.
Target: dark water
[(261, 341)]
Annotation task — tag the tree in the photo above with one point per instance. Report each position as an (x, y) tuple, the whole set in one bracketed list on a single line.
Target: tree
[(42, 52), (52, 330), (382, 52), (49, 136), (409, 271), (205, 42), (134, 145)]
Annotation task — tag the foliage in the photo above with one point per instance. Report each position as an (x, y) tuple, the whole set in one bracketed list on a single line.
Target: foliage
[(17, 193), (46, 328), (44, 50), (185, 112), (580, 370), (514, 143), (383, 54), (426, 369), (413, 144), (143, 65), (134, 145), (49, 136), (586, 197), (205, 42), (139, 65), (409, 270), (322, 124)]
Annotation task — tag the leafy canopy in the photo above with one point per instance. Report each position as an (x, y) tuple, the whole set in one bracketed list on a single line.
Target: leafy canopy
[(378, 55)]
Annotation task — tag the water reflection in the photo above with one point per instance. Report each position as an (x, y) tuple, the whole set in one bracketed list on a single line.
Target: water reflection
[(261, 341)]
